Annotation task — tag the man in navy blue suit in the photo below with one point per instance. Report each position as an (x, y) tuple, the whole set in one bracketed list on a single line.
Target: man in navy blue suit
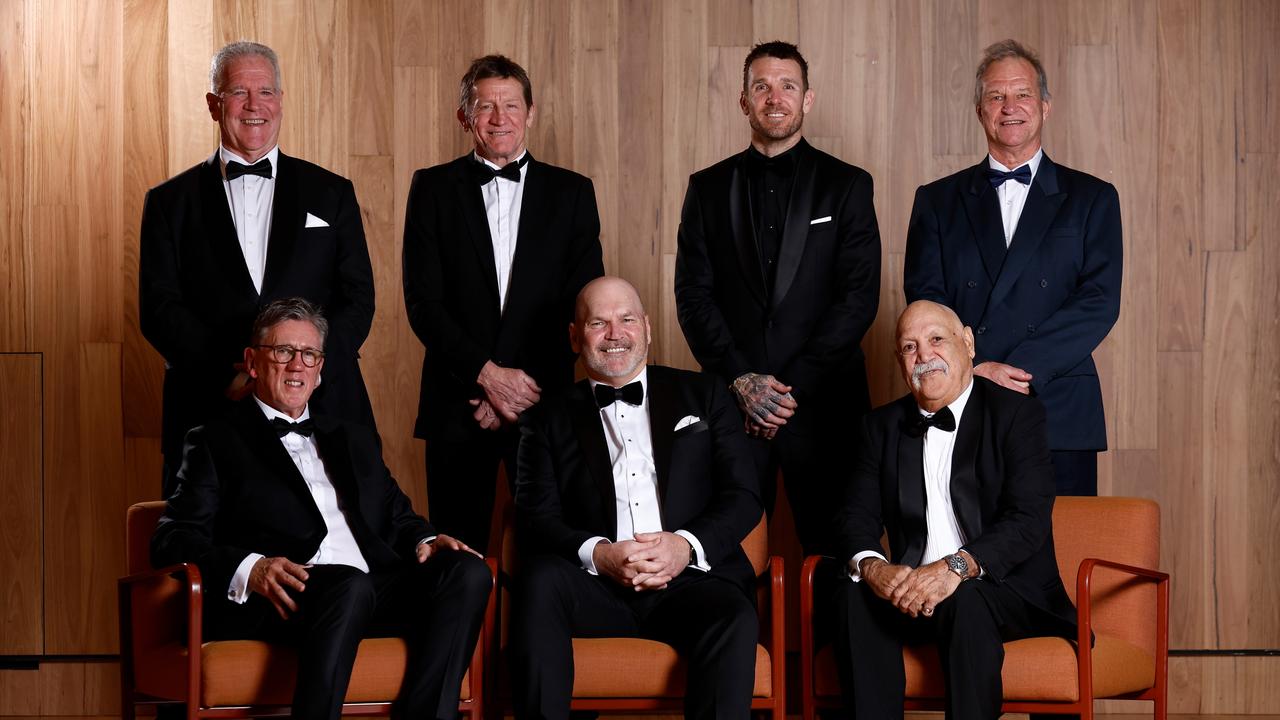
[(1028, 253)]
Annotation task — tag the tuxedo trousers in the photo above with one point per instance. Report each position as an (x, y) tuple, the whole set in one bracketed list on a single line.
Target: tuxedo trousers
[(462, 472), (437, 606), (969, 628), (710, 621)]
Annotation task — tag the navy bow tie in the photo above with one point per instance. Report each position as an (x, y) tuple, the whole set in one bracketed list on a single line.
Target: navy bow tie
[(511, 171), (262, 168), (284, 427), (998, 177), (943, 420), (631, 393)]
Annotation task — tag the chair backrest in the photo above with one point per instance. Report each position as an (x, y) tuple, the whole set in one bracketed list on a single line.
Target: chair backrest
[(1120, 529), (141, 523), (157, 610)]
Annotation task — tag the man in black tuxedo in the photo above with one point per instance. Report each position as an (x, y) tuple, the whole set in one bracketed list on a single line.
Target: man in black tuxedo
[(1028, 253), (245, 227), (635, 490), (777, 280), (496, 247), (302, 535), (957, 474)]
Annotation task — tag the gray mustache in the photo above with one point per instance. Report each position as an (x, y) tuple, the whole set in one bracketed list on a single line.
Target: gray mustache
[(930, 366)]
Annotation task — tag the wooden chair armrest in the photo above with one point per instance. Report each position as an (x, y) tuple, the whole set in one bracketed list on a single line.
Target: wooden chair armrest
[(1084, 617), (188, 577)]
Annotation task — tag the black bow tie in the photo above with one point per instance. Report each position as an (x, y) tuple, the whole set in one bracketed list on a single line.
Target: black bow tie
[(262, 168), (284, 427), (511, 171), (631, 393), (998, 177), (943, 420)]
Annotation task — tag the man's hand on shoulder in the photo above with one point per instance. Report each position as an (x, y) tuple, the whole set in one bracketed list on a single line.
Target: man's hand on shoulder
[(659, 559), (510, 391), (428, 550), (1015, 379), (273, 578), (241, 385), (766, 403)]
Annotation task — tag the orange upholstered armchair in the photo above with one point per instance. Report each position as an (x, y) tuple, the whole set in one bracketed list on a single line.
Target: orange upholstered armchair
[(160, 621), (631, 674), (1106, 550)]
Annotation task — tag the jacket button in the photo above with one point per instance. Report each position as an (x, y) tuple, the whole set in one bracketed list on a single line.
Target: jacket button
[(1031, 329), (982, 329), (973, 283), (1044, 283)]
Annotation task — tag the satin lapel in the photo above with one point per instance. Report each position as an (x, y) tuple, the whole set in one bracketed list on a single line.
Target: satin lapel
[(743, 229), (663, 414), (1044, 199), (911, 498), (220, 229), (471, 202), (530, 251), (966, 488), (285, 222), (982, 205), (595, 451), (796, 230)]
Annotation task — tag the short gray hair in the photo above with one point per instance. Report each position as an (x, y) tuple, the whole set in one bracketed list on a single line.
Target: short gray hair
[(235, 51), (295, 308), (1008, 49)]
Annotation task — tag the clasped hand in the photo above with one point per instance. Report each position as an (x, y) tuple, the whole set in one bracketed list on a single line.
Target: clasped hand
[(766, 403), (914, 591), (649, 562), (507, 393)]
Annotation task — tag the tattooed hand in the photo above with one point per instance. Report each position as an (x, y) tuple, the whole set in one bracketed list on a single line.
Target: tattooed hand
[(765, 402)]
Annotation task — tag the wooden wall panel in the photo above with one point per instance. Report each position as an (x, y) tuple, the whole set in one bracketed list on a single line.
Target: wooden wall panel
[(1174, 101), (21, 566)]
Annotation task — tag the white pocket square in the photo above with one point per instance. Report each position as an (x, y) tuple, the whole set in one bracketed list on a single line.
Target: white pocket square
[(819, 221), (313, 221), (686, 421)]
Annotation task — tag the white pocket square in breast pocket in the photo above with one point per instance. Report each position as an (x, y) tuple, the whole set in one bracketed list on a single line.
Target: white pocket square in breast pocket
[(313, 221), (685, 422), (819, 221)]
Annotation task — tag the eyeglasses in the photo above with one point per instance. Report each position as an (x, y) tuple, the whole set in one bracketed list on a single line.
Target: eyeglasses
[(283, 354)]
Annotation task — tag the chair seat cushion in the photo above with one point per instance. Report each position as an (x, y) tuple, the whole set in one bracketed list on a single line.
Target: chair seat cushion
[(631, 667), (1035, 669), (251, 672)]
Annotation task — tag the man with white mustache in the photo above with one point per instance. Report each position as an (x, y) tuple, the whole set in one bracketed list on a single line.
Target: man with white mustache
[(957, 474), (635, 488), (247, 226), (1029, 254)]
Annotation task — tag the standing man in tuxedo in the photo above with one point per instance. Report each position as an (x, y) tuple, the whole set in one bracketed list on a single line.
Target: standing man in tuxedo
[(635, 490), (302, 536), (496, 247), (957, 474), (1028, 253), (245, 227), (777, 280)]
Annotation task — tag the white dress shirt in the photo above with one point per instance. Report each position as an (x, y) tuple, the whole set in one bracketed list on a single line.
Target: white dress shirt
[(944, 536), (635, 476), (339, 545), (250, 198), (502, 201), (1013, 194)]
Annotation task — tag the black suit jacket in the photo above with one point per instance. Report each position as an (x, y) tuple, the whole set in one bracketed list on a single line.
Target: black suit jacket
[(239, 492), (451, 285), (806, 330), (1043, 305), (706, 477), (1002, 492), (197, 301)]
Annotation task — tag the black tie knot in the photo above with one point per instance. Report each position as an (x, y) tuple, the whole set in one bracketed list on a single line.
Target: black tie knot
[(943, 420), (511, 171), (998, 177), (284, 427), (631, 393), (262, 168)]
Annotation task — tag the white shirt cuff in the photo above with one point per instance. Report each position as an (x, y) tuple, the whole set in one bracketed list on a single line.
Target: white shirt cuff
[(855, 571), (702, 563), (587, 551), (238, 591)]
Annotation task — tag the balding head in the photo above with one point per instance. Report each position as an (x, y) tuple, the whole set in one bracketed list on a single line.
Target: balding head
[(611, 331), (935, 353)]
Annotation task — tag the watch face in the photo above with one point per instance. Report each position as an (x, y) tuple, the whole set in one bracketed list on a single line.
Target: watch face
[(958, 565)]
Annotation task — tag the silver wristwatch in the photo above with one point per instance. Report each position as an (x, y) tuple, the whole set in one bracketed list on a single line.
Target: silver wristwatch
[(958, 565)]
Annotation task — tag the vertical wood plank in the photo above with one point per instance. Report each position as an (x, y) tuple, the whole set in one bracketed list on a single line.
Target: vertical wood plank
[(1221, 121), (15, 332), (733, 25), (596, 146), (1184, 528), (953, 45), (370, 29), (193, 135), (21, 594), (1261, 67), (640, 240), (775, 20)]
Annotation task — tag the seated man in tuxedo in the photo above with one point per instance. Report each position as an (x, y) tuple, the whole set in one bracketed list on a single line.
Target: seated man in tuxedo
[(634, 489), (958, 475), (302, 536)]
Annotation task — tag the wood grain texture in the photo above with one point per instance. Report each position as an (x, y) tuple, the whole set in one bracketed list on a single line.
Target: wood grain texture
[(21, 567), (15, 131)]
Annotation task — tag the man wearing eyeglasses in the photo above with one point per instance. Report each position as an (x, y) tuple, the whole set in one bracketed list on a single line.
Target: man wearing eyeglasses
[(303, 537), (247, 226)]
